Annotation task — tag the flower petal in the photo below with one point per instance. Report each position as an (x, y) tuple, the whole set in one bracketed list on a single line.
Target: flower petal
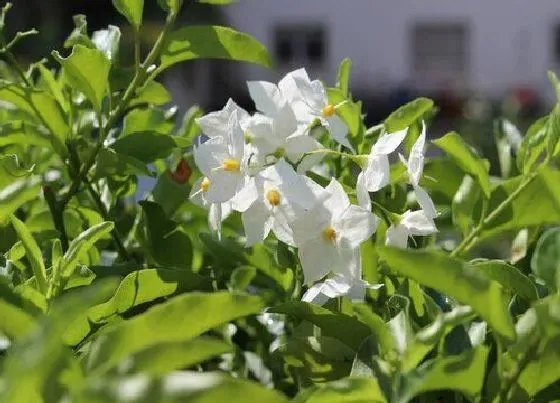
[(317, 258), (267, 96), (338, 129), (418, 223), (256, 222), (245, 197), (397, 236), (364, 200), (355, 225), (338, 200), (425, 202), (416, 158), (389, 142), (377, 173)]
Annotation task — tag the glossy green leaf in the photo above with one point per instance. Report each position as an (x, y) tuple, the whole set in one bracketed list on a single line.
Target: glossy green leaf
[(545, 262), (345, 328), (212, 42), (161, 359), (351, 390), (205, 311), (169, 193), (87, 70), (508, 276), (16, 194), (524, 211), (463, 373), (20, 132), (33, 253), (533, 146), (110, 163), (455, 147), (54, 86), (408, 114), (147, 285), (81, 245), (172, 6), (132, 10), (40, 106), (456, 279), (148, 120), (464, 203), (164, 235)]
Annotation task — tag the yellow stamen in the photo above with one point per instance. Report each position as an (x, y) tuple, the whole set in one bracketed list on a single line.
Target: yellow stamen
[(205, 184), (273, 197), (231, 165), (328, 111), (329, 234)]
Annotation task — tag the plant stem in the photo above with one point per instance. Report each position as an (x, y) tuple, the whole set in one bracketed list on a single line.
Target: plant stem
[(471, 240), (15, 65), (57, 216)]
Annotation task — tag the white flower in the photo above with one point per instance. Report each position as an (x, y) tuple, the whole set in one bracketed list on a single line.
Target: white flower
[(329, 235), (215, 124), (221, 160), (277, 136), (415, 167), (411, 223), (338, 286), (377, 171), (271, 200), (310, 103), (217, 212)]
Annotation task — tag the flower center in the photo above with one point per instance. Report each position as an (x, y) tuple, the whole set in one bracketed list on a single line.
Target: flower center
[(279, 152), (231, 165), (273, 197), (328, 111), (205, 184), (329, 234)]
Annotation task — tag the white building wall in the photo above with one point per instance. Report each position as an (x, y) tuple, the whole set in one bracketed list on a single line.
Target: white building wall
[(511, 41)]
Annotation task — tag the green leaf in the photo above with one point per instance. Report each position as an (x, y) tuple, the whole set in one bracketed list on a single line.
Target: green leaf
[(110, 164), (453, 144), (463, 373), (170, 194), (149, 120), (212, 42), (87, 70), (343, 76), (147, 285), (456, 279), (553, 130), (14, 322), (172, 6), (205, 311), (164, 235), (189, 128), (242, 277), (345, 328), (161, 359), (19, 132), (350, 112), (508, 276), (533, 146), (545, 262), (351, 390), (464, 203), (408, 114), (81, 245), (16, 194), (145, 147), (177, 387), (132, 10), (524, 211), (53, 86), (33, 253), (40, 106), (153, 93)]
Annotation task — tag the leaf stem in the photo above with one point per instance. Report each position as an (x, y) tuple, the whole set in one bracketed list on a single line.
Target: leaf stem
[(472, 238)]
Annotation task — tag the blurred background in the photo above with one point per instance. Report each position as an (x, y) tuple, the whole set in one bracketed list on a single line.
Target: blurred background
[(477, 59)]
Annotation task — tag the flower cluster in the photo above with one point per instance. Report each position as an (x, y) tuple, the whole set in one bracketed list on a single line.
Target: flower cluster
[(257, 164)]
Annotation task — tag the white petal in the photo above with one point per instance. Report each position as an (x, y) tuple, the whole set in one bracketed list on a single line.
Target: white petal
[(214, 124), (297, 146), (364, 200), (235, 137), (210, 155), (425, 202), (256, 222), (417, 223), (282, 230), (397, 236), (223, 186), (416, 158), (317, 258), (338, 129), (310, 225), (315, 294), (377, 173), (215, 218), (246, 196), (312, 93), (197, 195), (355, 225), (389, 142), (267, 97), (338, 201)]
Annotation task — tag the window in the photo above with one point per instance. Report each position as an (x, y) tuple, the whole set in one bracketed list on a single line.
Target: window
[(297, 45), (439, 55)]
